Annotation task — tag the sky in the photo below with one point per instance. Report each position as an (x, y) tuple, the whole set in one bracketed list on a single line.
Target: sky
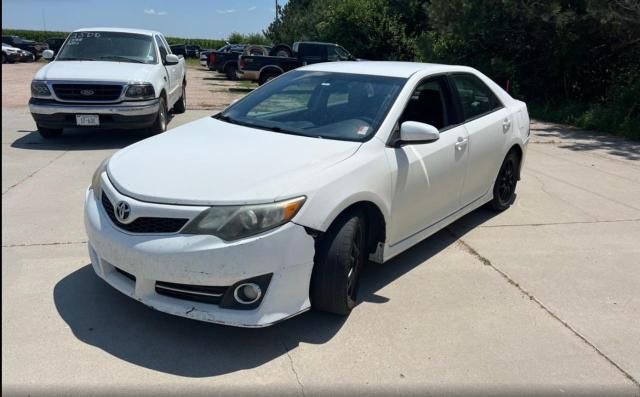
[(207, 19)]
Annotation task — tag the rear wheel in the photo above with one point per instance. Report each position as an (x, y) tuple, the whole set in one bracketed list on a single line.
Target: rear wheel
[(504, 189), (160, 125), (267, 76), (230, 70), (340, 257), (49, 133), (181, 105)]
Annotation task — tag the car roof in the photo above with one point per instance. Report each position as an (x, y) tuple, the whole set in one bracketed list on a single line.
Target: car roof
[(384, 68), (120, 30)]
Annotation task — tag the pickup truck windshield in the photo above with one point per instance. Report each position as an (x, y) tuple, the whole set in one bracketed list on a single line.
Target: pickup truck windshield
[(318, 104), (108, 46)]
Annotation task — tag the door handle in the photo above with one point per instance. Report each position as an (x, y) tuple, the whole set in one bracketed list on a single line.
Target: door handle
[(506, 124), (461, 144)]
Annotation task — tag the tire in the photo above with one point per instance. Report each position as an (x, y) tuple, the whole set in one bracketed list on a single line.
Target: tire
[(50, 133), (181, 105), (230, 70), (255, 50), (281, 50), (267, 76), (504, 189), (340, 257), (160, 125)]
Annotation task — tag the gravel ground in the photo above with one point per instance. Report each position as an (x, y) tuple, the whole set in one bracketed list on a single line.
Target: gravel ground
[(205, 89)]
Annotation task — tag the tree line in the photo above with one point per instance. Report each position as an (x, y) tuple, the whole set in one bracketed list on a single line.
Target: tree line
[(574, 61)]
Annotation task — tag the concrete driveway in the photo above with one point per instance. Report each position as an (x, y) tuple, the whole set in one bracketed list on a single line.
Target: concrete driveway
[(543, 299)]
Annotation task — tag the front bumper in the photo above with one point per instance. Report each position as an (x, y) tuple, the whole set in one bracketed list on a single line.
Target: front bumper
[(13, 57), (202, 260), (123, 115)]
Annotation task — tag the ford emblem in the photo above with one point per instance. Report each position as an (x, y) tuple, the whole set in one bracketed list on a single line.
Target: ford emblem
[(86, 92)]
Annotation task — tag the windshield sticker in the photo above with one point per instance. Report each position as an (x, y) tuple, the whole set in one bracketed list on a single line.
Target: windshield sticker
[(362, 130)]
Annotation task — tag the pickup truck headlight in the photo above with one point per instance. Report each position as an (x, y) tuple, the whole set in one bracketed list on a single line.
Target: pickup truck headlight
[(236, 222), (39, 90), (96, 181), (140, 91)]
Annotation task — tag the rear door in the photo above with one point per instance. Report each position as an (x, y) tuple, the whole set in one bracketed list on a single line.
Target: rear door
[(487, 121)]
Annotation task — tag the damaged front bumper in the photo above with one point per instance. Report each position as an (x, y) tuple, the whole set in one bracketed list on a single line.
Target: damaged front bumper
[(195, 276)]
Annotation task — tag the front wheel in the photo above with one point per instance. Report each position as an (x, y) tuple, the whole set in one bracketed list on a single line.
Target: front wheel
[(160, 125), (267, 76), (340, 257), (504, 189), (230, 71)]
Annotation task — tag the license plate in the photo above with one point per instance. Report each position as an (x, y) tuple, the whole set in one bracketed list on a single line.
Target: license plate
[(87, 119)]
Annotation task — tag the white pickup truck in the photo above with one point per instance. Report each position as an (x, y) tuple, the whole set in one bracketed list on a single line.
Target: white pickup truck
[(108, 78)]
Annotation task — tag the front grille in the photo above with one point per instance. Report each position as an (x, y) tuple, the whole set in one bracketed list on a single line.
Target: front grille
[(196, 293), (92, 92), (144, 224)]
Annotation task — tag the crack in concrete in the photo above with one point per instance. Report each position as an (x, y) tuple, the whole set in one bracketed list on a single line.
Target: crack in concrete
[(44, 244), (485, 261), (564, 223), (293, 368), (33, 173)]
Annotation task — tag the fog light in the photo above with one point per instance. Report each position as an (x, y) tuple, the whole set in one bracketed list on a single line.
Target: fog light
[(247, 293)]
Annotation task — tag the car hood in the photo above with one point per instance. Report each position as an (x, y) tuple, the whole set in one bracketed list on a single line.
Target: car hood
[(95, 71), (209, 162)]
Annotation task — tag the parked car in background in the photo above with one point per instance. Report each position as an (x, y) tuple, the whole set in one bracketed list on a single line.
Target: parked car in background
[(204, 55), (28, 45), (12, 54), (109, 77), (55, 43), (186, 50), (326, 167), (282, 59)]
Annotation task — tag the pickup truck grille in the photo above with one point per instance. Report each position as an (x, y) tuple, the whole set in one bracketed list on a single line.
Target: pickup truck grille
[(88, 92)]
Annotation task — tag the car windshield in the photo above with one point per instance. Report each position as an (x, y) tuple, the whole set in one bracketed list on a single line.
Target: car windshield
[(318, 104), (108, 46)]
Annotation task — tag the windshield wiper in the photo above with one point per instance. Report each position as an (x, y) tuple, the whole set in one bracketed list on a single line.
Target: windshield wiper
[(75, 59), (117, 57)]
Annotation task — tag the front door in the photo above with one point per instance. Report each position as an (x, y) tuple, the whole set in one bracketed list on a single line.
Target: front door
[(429, 176)]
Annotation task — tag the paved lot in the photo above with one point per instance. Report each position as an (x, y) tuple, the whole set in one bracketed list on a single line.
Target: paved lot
[(544, 298)]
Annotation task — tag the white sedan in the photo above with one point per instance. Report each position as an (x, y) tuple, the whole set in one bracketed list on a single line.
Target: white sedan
[(274, 205)]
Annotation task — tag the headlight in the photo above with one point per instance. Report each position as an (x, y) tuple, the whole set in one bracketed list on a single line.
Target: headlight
[(96, 181), (10, 50), (140, 91), (236, 222), (39, 89)]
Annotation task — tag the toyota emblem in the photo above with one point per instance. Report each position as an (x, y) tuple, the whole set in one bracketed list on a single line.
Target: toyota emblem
[(123, 210)]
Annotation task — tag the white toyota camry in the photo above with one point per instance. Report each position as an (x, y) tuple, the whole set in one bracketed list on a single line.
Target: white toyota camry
[(274, 205)]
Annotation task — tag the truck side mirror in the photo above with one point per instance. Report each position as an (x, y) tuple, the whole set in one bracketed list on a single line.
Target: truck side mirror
[(171, 59)]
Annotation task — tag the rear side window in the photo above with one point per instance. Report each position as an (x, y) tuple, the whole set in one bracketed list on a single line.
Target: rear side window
[(477, 99)]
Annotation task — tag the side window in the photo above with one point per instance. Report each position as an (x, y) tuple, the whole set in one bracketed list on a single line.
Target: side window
[(430, 104), (337, 53), (476, 98), (166, 45), (162, 48), (314, 53)]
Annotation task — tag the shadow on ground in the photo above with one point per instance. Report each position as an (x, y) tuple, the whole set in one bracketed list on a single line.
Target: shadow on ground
[(81, 140), (580, 140), (102, 317)]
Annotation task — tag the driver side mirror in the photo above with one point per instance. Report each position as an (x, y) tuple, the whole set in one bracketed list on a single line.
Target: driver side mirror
[(413, 132), (171, 59), (47, 54)]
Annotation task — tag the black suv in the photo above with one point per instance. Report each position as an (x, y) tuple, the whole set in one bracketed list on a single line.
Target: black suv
[(27, 45)]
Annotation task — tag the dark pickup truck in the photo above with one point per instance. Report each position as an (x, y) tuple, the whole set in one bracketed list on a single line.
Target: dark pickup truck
[(225, 60), (265, 68), (27, 45)]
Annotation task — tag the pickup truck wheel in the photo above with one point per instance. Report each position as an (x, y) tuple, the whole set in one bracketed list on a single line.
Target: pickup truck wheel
[(267, 76), (49, 133), (340, 257), (230, 70), (181, 105), (160, 125)]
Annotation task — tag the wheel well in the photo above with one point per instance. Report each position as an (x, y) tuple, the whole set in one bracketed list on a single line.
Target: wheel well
[(518, 151), (376, 225)]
